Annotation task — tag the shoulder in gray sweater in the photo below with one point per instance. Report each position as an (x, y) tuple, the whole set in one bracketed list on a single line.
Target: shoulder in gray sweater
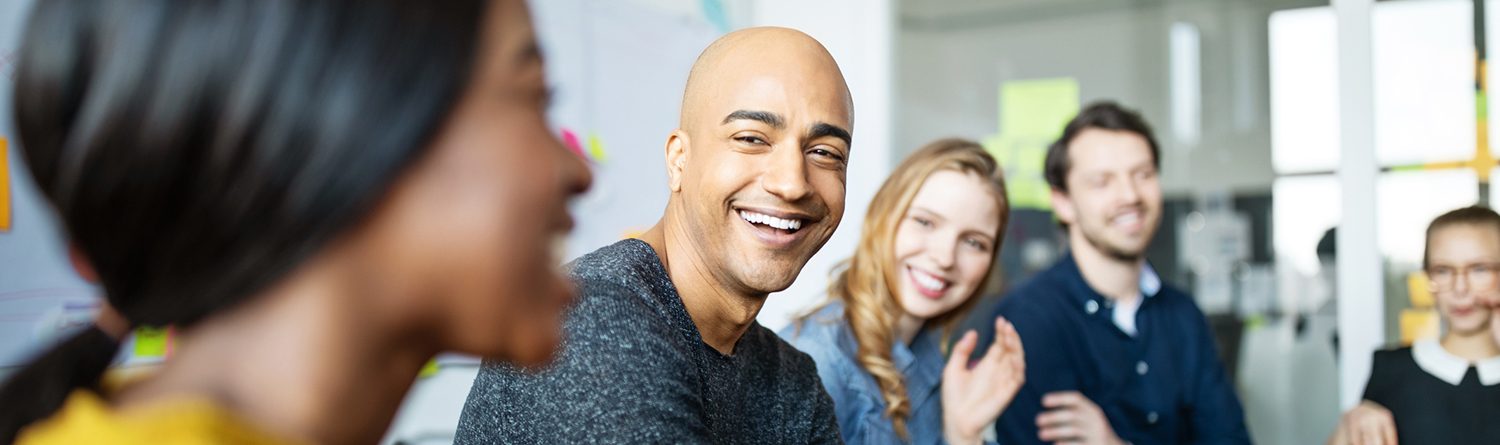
[(634, 369)]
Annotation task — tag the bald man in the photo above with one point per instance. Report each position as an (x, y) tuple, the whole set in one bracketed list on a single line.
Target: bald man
[(663, 346)]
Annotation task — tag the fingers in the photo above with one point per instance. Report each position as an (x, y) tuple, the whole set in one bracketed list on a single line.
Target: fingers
[(1056, 417), (1060, 433), (958, 360), (1388, 430), (1062, 399)]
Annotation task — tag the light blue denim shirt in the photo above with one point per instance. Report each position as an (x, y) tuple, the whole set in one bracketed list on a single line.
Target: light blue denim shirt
[(857, 402)]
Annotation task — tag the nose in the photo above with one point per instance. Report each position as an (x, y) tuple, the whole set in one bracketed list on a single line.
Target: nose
[(1130, 191), (573, 174), (786, 174), (943, 250)]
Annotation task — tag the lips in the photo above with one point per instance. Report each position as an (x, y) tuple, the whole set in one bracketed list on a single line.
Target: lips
[(927, 284), (776, 229), (1129, 221)]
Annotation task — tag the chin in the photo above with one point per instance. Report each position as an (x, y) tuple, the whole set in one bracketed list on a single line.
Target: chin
[(770, 272), (540, 351)]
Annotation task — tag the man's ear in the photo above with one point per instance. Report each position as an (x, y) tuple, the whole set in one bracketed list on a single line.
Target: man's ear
[(677, 152), (1062, 206)]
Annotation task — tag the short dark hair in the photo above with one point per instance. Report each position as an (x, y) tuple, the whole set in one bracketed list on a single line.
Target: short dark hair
[(1104, 115), (1472, 215)]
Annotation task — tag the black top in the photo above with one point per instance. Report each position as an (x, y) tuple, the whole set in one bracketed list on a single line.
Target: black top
[(1429, 410), (634, 369)]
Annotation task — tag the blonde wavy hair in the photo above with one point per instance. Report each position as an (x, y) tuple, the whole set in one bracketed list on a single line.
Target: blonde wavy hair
[(864, 282)]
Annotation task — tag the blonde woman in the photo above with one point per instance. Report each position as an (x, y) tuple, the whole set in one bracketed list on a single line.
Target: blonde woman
[(930, 238)]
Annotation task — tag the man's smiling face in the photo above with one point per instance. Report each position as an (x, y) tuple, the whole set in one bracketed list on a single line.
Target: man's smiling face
[(763, 176)]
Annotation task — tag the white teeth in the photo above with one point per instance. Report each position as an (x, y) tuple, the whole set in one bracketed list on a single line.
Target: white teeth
[(927, 281), (760, 218), (1128, 218)]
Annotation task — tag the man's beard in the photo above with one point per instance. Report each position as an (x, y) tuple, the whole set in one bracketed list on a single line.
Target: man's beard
[(1112, 250)]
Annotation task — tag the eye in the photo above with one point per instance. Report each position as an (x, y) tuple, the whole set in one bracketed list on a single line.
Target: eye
[(827, 154), (751, 140), (922, 221), (977, 244)]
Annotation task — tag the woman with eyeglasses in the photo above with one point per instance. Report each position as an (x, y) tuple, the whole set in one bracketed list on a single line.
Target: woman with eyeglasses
[(1442, 391)]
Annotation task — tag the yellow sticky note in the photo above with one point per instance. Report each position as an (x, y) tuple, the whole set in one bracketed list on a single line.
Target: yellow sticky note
[(1418, 290), (596, 150), (1418, 324), (1032, 115), (429, 369), (151, 341), (4, 187), (1037, 107)]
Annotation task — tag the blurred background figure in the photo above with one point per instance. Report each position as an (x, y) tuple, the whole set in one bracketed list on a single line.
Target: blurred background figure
[(1118, 356), (1442, 391), (927, 248), (318, 196)]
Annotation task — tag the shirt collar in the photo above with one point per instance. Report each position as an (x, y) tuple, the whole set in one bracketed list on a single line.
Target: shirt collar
[(1431, 357), (1150, 284)]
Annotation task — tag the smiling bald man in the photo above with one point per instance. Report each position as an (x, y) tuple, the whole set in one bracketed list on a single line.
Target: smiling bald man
[(663, 346)]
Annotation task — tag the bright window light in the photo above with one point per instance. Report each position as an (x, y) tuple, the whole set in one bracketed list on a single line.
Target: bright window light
[(1304, 91), (1186, 84)]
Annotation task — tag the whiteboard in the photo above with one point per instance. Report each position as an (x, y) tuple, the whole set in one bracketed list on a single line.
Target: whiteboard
[(617, 71), (41, 298)]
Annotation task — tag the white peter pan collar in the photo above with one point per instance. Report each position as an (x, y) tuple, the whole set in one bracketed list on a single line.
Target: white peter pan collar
[(1431, 357)]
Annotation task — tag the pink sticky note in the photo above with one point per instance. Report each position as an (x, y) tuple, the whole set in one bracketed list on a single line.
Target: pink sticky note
[(571, 140)]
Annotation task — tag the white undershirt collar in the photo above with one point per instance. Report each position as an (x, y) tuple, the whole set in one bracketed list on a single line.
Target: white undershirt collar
[(1431, 357), (1124, 313)]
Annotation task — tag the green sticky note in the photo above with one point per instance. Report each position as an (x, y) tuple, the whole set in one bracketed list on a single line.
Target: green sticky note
[(151, 341), (1032, 115), (1037, 107), (596, 150), (1022, 159), (429, 369)]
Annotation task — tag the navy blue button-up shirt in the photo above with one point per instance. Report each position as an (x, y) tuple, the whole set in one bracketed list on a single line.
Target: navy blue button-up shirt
[(1164, 385)]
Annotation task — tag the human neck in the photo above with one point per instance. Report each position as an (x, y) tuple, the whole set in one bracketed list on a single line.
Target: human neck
[(721, 314), (1473, 346), (1114, 278), (299, 362), (907, 327)]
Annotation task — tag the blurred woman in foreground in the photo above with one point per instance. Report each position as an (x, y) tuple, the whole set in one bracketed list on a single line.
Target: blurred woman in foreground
[(1442, 391), (320, 195), (930, 238)]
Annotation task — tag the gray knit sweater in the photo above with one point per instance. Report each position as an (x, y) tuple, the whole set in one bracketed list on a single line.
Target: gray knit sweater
[(634, 369)]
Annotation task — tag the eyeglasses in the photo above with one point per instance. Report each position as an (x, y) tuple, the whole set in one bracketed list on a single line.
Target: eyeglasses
[(1477, 276)]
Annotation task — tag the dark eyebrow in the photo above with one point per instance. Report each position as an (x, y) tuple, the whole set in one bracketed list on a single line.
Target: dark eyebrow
[(769, 118), (822, 129)]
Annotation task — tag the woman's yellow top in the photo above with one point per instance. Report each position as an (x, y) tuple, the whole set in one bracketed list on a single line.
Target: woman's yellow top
[(86, 419)]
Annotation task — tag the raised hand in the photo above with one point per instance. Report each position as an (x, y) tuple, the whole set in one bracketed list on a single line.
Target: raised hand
[(973, 396), (1366, 424), (1074, 419)]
